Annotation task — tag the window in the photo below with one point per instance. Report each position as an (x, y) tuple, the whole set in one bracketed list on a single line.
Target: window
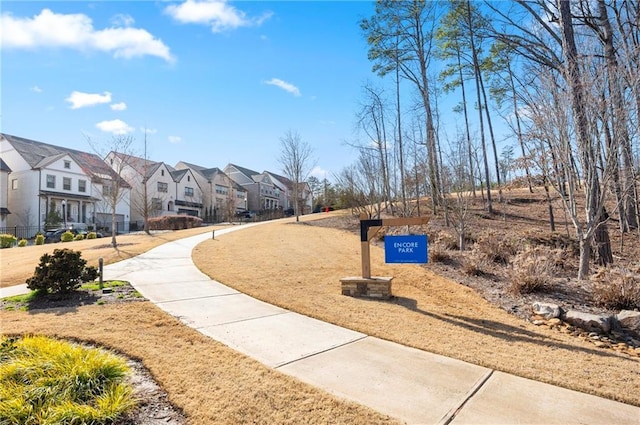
[(82, 185), (106, 189), (162, 173), (188, 191), (163, 187), (188, 178), (67, 164), (66, 183), (156, 204), (221, 190), (51, 181), (14, 184)]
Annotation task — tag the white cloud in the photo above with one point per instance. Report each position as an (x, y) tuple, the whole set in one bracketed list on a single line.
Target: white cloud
[(175, 139), (80, 100), (284, 86), (318, 172), (76, 31), (148, 130), (118, 127), (122, 20), (215, 13), (36, 89), (118, 106)]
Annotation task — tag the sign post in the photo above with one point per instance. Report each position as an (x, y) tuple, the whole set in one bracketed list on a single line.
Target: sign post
[(367, 286)]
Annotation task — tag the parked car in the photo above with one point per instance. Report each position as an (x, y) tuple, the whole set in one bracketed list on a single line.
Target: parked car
[(52, 236), (245, 214)]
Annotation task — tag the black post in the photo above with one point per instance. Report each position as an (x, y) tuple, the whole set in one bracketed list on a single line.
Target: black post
[(100, 266)]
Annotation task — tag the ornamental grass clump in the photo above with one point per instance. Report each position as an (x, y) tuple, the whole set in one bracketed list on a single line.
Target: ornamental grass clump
[(7, 240), (533, 269), (61, 272), (67, 236), (46, 381), (617, 288)]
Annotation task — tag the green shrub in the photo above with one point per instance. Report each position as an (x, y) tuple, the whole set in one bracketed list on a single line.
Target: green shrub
[(39, 239), (45, 381), (92, 235), (617, 288), (7, 240), (22, 243), (61, 273), (67, 236), (78, 237)]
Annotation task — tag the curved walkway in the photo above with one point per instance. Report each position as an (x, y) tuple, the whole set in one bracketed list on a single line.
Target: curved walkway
[(411, 385)]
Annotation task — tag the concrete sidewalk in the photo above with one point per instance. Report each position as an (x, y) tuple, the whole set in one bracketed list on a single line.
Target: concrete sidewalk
[(412, 385)]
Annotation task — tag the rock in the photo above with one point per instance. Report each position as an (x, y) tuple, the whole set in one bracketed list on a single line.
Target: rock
[(629, 321), (546, 310), (538, 322), (591, 322), (554, 321)]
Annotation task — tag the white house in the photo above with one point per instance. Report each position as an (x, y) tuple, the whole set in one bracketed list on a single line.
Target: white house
[(158, 187), (5, 170), (51, 186), (222, 198)]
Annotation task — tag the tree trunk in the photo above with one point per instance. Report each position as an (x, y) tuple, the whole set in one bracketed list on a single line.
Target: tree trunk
[(476, 71)]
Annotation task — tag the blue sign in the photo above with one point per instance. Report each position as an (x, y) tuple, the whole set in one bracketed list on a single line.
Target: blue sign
[(405, 249)]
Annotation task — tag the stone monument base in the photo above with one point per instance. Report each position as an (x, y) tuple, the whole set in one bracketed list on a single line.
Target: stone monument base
[(372, 287)]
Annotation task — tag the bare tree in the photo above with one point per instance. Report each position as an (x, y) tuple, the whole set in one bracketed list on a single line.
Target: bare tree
[(296, 161), (113, 184)]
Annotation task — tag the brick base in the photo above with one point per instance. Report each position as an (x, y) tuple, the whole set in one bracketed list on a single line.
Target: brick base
[(374, 287)]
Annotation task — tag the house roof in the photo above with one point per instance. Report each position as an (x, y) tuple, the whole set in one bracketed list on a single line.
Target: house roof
[(38, 154), (195, 167), (178, 174), (140, 165), (4, 166), (282, 179), (247, 172)]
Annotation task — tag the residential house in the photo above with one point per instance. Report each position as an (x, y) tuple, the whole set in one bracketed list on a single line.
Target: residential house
[(263, 195), (157, 188), (189, 194), (5, 170), (222, 198), (305, 199), (56, 186)]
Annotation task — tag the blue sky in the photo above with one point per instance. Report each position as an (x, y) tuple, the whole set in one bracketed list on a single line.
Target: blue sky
[(212, 82)]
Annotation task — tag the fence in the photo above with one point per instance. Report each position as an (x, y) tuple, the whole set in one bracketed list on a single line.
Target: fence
[(21, 232), (29, 232)]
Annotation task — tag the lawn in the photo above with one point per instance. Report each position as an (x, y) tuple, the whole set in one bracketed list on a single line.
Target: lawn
[(298, 266)]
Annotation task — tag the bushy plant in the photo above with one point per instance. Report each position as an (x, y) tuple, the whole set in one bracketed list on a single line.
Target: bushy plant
[(45, 381), (61, 272), (78, 237), (616, 288), (7, 240), (39, 239), (22, 242), (496, 248), (67, 236), (475, 264), (92, 235), (533, 269), (438, 253)]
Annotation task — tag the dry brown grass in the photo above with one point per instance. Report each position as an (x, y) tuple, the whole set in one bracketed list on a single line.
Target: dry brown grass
[(18, 263), (211, 383), (298, 267)]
